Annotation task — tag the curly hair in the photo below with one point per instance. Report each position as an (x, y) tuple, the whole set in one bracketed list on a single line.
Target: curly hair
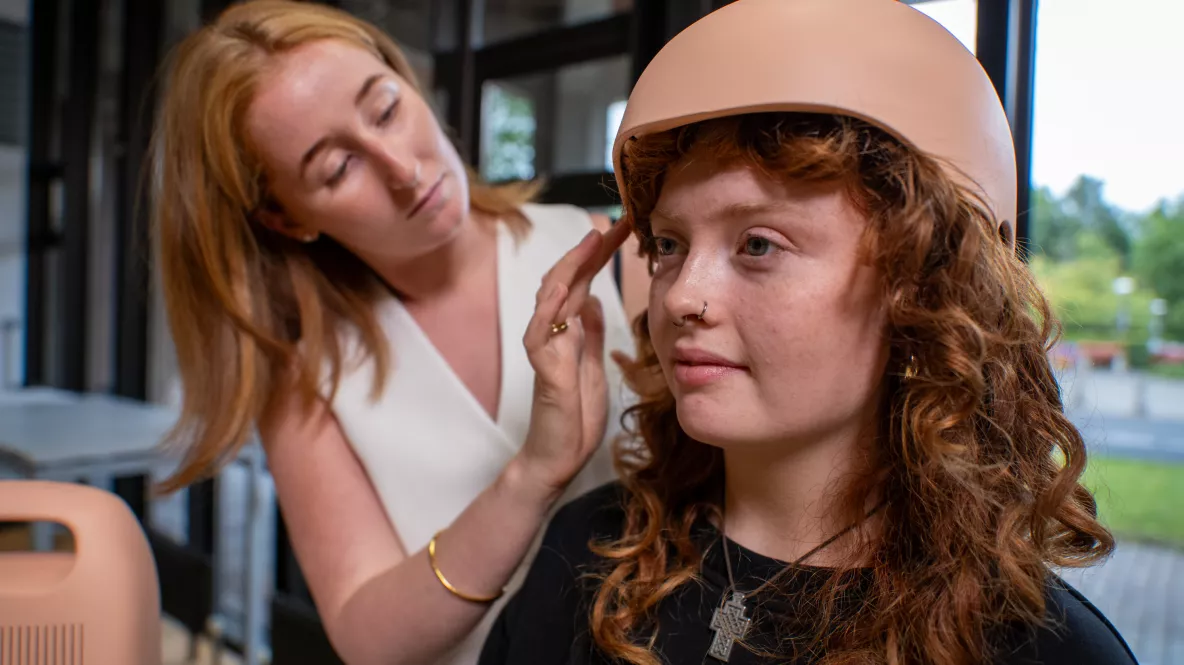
[(974, 455)]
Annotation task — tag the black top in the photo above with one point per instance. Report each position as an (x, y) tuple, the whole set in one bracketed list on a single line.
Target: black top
[(546, 622)]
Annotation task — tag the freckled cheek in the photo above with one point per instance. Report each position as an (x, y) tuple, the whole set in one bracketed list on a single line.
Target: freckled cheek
[(796, 329), (774, 344)]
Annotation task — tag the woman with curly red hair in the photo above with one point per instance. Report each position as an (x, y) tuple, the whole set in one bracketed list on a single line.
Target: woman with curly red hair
[(853, 449)]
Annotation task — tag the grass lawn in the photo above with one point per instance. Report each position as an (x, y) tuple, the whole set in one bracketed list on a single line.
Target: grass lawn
[(1174, 371), (1139, 500)]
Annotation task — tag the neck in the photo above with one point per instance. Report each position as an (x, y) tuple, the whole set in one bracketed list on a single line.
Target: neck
[(447, 269), (782, 501)]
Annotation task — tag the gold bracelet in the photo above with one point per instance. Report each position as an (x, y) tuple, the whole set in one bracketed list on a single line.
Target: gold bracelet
[(448, 585)]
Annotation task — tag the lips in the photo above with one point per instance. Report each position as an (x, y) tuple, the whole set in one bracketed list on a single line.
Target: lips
[(696, 368), (693, 356), (423, 201)]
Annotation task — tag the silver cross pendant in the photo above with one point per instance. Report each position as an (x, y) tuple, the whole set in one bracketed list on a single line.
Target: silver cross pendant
[(730, 625)]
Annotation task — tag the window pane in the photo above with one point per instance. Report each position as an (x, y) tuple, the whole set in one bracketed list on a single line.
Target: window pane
[(960, 17), (1107, 244), (12, 265), (562, 121), (507, 19)]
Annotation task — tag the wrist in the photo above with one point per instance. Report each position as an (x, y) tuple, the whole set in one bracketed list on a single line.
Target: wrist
[(526, 488)]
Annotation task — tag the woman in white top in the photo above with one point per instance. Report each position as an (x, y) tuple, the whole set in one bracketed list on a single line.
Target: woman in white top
[(336, 278)]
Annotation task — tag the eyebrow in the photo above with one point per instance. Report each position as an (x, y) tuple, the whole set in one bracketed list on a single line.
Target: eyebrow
[(732, 211), (311, 153)]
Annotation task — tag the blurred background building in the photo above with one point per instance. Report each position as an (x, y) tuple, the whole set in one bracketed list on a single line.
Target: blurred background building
[(537, 88)]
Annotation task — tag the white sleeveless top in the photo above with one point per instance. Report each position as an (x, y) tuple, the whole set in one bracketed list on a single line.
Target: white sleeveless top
[(427, 445)]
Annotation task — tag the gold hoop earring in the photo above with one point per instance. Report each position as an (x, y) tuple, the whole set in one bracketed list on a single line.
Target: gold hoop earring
[(910, 368)]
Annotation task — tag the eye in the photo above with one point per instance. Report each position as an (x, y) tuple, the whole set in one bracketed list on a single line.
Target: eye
[(664, 246), (389, 113), (757, 246), (339, 174)]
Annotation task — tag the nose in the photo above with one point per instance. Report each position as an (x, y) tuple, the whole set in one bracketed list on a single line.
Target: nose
[(687, 299), (398, 166)]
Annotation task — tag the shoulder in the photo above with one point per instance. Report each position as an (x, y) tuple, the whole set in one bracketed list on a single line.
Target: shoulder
[(1075, 632)]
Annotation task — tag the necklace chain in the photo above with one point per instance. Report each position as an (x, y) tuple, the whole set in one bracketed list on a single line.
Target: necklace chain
[(815, 550)]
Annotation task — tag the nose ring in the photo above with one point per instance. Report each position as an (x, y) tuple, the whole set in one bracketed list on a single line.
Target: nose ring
[(699, 316)]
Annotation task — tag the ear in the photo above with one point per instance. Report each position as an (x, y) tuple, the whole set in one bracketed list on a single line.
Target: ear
[(272, 217)]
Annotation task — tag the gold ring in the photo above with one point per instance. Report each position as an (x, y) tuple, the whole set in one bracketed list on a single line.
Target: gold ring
[(557, 328)]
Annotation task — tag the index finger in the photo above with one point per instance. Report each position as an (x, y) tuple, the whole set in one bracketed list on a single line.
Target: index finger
[(582, 280), (565, 269), (616, 236), (613, 239)]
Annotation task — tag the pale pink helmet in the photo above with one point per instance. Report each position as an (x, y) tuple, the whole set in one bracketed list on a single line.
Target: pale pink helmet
[(877, 60)]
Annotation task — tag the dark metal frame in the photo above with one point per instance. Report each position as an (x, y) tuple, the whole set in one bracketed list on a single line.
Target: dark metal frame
[(143, 22), (1006, 47), (78, 120), (587, 190), (43, 170)]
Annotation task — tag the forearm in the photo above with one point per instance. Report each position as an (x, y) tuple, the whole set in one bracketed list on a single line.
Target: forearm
[(404, 615)]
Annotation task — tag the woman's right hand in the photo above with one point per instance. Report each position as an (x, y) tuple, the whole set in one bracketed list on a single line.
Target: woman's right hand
[(570, 407)]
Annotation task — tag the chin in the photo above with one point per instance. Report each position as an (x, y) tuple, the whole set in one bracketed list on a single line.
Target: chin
[(721, 423), (445, 227)]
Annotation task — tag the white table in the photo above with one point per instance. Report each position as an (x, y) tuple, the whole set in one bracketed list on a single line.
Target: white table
[(36, 395), (91, 437), (57, 435)]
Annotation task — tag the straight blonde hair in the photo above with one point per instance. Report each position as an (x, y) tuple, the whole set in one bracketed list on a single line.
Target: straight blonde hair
[(254, 315)]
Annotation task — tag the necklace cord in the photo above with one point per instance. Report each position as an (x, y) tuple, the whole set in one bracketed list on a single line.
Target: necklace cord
[(815, 550)]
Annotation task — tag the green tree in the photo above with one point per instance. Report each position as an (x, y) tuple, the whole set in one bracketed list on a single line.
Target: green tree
[(508, 133), (1053, 231), (1081, 291), (1159, 254), (1086, 202), (1159, 259)]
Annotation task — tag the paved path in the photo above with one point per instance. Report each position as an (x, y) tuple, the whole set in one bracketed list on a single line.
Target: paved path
[(1141, 438), (1141, 590), (1122, 394), (1127, 414)]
